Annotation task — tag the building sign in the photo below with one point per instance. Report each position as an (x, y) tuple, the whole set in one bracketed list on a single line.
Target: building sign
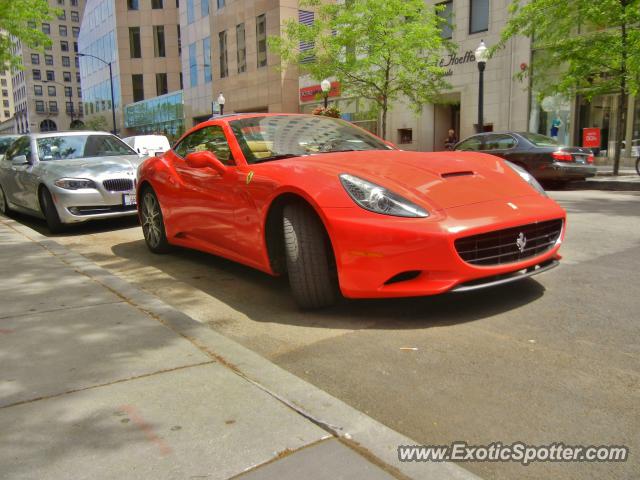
[(309, 94), (591, 137), (453, 59)]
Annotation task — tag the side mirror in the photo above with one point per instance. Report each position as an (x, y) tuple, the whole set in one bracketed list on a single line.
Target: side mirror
[(19, 161), (205, 159)]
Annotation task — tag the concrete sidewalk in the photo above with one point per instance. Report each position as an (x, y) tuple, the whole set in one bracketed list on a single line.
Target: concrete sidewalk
[(101, 380)]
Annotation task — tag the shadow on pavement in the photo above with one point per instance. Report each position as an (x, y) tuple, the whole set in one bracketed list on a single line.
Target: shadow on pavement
[(89, 227)]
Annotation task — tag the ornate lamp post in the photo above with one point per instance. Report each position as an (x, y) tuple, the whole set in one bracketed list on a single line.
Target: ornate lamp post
[(325, 86), (481, 58)]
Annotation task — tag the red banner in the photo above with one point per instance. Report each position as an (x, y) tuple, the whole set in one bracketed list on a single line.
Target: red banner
[(308, 94), (591, 137)]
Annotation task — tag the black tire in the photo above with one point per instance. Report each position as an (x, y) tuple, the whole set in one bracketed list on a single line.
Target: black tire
[(310, 261), (49, 211), (4, 205), (152, 222), (638, 165)]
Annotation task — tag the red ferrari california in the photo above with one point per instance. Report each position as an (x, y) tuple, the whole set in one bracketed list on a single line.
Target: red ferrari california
[(338, 210)]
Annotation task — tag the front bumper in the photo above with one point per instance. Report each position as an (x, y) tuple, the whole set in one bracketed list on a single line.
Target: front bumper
[(75, 206), (419, 255), (565, 171)]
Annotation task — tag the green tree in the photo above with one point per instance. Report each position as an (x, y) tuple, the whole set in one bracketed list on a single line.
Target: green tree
[(378, 50), (97, 123), (586, 47), (18, 18)]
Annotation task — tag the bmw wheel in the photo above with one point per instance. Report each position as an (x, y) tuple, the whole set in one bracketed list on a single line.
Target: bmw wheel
[(153, 223), (50, 212), (310, 261)]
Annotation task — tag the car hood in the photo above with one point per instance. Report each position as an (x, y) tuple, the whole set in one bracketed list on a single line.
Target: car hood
[(95, 167), (441, 179)]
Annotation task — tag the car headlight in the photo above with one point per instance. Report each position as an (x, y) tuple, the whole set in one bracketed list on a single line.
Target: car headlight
[(527, 177), (74, 183), (378, 199)]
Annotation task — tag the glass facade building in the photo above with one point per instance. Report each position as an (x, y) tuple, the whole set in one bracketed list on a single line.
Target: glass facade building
[(163, 115)]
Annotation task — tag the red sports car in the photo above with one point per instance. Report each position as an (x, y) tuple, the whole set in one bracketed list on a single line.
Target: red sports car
[(340, 210)]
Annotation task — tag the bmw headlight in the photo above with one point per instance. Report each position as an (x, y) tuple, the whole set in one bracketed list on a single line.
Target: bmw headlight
[(378, 199), (527, 177), (74, 183)]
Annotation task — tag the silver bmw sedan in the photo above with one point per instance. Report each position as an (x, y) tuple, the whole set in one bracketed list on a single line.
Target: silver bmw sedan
[(69, 177)]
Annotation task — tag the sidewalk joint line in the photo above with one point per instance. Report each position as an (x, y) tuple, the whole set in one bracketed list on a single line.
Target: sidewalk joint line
[(53, 310)]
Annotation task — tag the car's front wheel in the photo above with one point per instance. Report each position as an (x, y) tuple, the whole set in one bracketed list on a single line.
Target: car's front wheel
[(50, 212), (310, 262), (152, 223)]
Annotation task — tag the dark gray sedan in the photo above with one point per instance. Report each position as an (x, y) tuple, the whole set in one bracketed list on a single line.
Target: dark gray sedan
[(541, 156)]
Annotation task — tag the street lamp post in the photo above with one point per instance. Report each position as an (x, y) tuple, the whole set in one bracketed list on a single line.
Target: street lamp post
[(481, 58), (221, 102), (325, 86), (113, 105)]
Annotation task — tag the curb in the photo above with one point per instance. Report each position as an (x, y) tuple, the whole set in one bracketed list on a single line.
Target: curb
[(376, 442)]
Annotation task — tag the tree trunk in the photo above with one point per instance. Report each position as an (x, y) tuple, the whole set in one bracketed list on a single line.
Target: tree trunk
[(623, 100), (384, 119)]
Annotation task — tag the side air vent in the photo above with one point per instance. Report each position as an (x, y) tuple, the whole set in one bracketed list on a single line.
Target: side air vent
[(463, 173)]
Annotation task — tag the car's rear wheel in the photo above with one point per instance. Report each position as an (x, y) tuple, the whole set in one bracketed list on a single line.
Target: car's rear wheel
[(50, 212), (310, 261), (4, 205), (152, 223)]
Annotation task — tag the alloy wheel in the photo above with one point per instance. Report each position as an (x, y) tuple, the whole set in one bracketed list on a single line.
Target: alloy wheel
[(151, 220)]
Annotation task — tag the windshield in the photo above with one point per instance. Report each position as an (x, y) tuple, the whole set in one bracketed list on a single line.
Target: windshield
[(81, 146), (281, 136), (5, 143), (540, 140)]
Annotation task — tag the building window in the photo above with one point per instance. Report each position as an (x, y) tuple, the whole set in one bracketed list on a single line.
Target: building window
[(46, 28), (68, 91), (7, 113), (51, 90), (158, 41), (66, 76), (138, 87), (48, 59), (306, 18), (405, 135), (5, 103), (79, 91), (78, 77), (261, 39), (75, 31), (179, 41), (156, 4), (62, 29), (51, 76), (64, 46), (162, 86), (77, 62), (63, 15), (220, 4), (191, 14), (36, 74), (206, 53), (134, 42), (5, 93), (74, 3), (69, 108), (204, 7), (479, 17), (75, 47), (39, 106), (53, 106), (66, 61), (133, 4), (35, 59), (193, 66), (75, 17), (181, 82), (222, 43), (446, 13), (242, 48), (37, 90)]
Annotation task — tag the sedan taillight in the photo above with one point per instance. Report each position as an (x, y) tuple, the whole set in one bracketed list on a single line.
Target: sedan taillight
[(562, 156)]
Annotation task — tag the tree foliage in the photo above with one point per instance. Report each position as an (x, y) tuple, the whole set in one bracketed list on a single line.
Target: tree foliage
[(586, 47), (18, 19), (378, 50), (97, 123)]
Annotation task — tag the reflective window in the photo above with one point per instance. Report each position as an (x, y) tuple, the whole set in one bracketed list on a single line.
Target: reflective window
[(446, 13), (206, 52), (261, 40), (472, 143), (134, 42), (499, 142), (242, 48), (210, 138), (158, 41), (479, 17), (222, 39)]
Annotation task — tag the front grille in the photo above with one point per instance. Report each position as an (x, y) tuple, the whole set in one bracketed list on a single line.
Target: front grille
[(509, 245), (118, 184), (99, 209)]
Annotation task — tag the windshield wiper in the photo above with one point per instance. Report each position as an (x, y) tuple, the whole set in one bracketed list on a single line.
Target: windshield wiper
[(276, 157)]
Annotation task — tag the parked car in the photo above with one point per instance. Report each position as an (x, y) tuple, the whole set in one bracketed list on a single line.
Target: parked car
[(148, 145), (69, 177), (541, 156), (339, 210), (5, 143)]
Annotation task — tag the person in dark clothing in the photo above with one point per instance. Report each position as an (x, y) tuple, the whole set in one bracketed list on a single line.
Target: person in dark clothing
[(451, 140)]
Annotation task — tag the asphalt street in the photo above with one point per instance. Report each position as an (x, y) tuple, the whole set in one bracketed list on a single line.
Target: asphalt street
[(550, 359)]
